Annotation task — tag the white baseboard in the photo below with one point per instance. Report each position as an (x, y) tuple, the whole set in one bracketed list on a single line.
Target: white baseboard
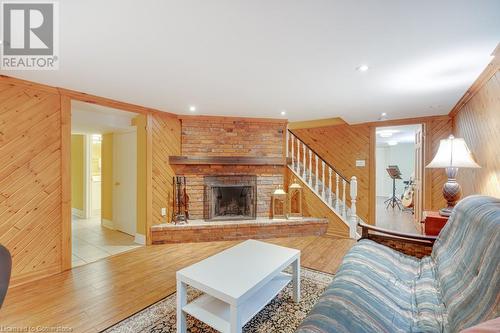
[(140, 239), (107, 224), (78, 213)]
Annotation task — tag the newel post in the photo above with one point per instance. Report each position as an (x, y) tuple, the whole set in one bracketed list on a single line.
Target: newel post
[(353, 221)]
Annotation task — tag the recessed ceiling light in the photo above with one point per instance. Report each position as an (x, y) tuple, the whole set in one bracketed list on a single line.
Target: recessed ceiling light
[(192, 108), (283, 113), (362, 68), (392, 143)]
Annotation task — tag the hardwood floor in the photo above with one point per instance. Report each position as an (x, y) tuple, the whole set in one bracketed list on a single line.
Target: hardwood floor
[(395, 219), (95, 296)]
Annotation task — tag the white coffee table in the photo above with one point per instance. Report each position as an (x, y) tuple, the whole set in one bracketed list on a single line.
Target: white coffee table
[(237, 283)]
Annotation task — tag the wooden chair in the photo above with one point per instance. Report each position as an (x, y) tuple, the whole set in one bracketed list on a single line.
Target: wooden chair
[(5, 269), (412, 244)]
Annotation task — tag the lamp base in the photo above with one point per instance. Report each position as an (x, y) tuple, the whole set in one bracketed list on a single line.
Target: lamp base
[(446, 211), (451, 191)]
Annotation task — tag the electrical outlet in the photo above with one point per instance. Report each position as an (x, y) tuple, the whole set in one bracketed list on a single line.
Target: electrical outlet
[(163, 211)]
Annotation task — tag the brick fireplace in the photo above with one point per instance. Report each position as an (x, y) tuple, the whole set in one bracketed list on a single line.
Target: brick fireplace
[(204, 137)]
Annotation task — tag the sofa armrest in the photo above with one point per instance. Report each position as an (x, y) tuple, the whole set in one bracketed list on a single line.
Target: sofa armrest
[(411, 244)]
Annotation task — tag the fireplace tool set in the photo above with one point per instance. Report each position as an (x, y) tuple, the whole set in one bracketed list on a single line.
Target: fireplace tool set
[(181, 201)]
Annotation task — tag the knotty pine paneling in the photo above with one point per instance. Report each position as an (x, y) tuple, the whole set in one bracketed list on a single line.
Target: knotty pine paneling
[(30, 180), (341, 146), (435, 131), (478, 122), (313, 206), (166, 141)]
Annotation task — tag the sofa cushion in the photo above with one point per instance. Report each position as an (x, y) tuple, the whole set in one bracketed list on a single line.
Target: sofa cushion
[(378, 289), (467, 259)]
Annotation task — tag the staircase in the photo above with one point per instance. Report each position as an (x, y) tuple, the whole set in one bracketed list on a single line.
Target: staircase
[(327, 183)]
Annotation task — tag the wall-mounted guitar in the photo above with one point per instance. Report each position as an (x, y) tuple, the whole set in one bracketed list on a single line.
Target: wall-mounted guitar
[(407, 199)]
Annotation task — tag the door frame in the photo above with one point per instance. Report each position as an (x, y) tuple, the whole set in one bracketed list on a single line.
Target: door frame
[(66, 96), (372, 191)]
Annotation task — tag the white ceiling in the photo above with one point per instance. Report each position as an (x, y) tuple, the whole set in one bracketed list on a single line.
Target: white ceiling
[(399, 134), (257, 58), (89, 118)]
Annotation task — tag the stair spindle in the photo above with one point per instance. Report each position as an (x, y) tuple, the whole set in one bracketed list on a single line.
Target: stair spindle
[(304, 151), (323, 193), (293, 152), (337, 191), (344, 204), (316, 173), (353, 221), (330, 202), (310, 168)]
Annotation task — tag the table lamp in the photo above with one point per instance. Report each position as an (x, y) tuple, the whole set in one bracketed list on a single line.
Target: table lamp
[(452, 154)]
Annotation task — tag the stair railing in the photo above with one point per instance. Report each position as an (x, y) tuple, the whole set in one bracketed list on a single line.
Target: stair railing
[(322, 177)]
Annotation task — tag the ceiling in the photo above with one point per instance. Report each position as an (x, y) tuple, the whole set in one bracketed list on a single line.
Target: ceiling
[(398, 134), (260, 58), (89, 118)]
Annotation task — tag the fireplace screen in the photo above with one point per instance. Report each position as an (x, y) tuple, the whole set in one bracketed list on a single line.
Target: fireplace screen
[(230, 198), (232, 202)]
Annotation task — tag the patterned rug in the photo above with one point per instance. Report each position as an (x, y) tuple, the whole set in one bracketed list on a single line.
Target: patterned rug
[(280, 315)]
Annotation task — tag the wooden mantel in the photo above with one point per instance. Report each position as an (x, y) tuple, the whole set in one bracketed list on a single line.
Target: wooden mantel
[(226, 160)]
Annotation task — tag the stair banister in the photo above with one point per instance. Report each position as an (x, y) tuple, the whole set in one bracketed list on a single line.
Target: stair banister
[(312, 175), (353, 219)]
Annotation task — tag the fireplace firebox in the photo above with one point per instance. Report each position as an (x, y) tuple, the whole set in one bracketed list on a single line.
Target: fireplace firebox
[(230, 198)]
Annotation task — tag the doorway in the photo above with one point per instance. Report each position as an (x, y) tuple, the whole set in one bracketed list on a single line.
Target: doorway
[(398, 177), (103, 182)]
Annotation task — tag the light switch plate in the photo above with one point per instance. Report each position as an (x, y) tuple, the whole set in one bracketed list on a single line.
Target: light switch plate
[(360, 163), (163, 211)]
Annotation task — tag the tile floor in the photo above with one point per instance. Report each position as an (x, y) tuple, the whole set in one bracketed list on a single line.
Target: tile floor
[(92, 242)]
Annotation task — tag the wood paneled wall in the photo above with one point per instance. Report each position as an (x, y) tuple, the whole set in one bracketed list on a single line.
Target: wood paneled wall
[(435, 130), (478, 122), (341, 146), (166, 141), (30, 180)]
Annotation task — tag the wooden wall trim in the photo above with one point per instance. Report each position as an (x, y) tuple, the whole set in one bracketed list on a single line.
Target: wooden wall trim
[(149, 178), (111, 103), (316, 123), (405, 121), (372, 195), (29, 84), (66, 182), (490, 70), (228, 118)]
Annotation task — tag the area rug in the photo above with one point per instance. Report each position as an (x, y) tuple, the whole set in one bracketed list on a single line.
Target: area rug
[(280, 315)]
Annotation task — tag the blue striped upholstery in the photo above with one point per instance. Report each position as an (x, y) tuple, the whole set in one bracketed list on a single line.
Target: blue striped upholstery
[(380, 290)]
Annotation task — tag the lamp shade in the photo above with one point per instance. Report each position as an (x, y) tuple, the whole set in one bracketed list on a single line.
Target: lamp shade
[(453, 153)]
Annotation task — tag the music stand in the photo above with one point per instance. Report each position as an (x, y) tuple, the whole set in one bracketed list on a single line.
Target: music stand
[(393, 201)]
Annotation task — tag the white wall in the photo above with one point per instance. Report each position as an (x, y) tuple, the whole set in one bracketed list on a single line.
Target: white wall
[(401, 155)]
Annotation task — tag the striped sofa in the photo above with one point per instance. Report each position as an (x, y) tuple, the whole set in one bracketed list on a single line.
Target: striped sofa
[(378, 289)]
